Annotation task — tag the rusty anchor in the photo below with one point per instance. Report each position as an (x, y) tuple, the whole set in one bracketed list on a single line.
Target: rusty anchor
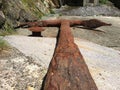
[(67, 69)]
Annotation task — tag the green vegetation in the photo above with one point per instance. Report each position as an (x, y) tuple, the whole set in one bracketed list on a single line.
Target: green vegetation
[(7, 30), (103, 1), (3, 44), (30, 6), (51, 11)]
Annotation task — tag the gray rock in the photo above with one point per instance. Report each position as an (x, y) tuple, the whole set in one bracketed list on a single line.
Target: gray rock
[(25, 16), (21, 11), (12, 10), (2, 19), (89, 11)]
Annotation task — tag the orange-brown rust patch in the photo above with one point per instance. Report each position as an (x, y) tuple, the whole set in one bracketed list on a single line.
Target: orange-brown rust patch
[(67, 65), (36, 29), (93, 23)]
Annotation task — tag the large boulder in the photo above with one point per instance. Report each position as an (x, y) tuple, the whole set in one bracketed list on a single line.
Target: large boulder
[(24, 10)]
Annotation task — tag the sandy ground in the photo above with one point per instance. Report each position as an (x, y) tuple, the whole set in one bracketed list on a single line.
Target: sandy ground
[(103, 62), (26, 63)]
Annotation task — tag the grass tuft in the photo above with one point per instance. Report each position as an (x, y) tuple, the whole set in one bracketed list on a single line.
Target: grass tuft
[(103, 1), (7, 30), (3, 45)]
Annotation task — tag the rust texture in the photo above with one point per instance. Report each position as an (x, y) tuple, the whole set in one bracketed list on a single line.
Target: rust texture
[(36, 29), (37, 26), (68, 70), (92, 23)]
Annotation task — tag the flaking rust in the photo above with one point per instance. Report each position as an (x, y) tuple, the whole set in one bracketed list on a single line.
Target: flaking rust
[(37, 26), (91, 24), (68, 70), (36, 31)]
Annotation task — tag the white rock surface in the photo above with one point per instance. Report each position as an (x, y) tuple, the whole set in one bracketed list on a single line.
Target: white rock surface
[(35, 47), (103, 62)]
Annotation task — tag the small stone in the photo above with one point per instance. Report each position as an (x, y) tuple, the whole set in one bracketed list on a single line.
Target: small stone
[(12, 88), (100, 74), (30, 88)]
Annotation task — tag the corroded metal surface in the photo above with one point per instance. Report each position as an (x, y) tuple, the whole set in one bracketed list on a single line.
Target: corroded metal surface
[(92, 23), (36, 29), (37, 26), (67, 70)]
